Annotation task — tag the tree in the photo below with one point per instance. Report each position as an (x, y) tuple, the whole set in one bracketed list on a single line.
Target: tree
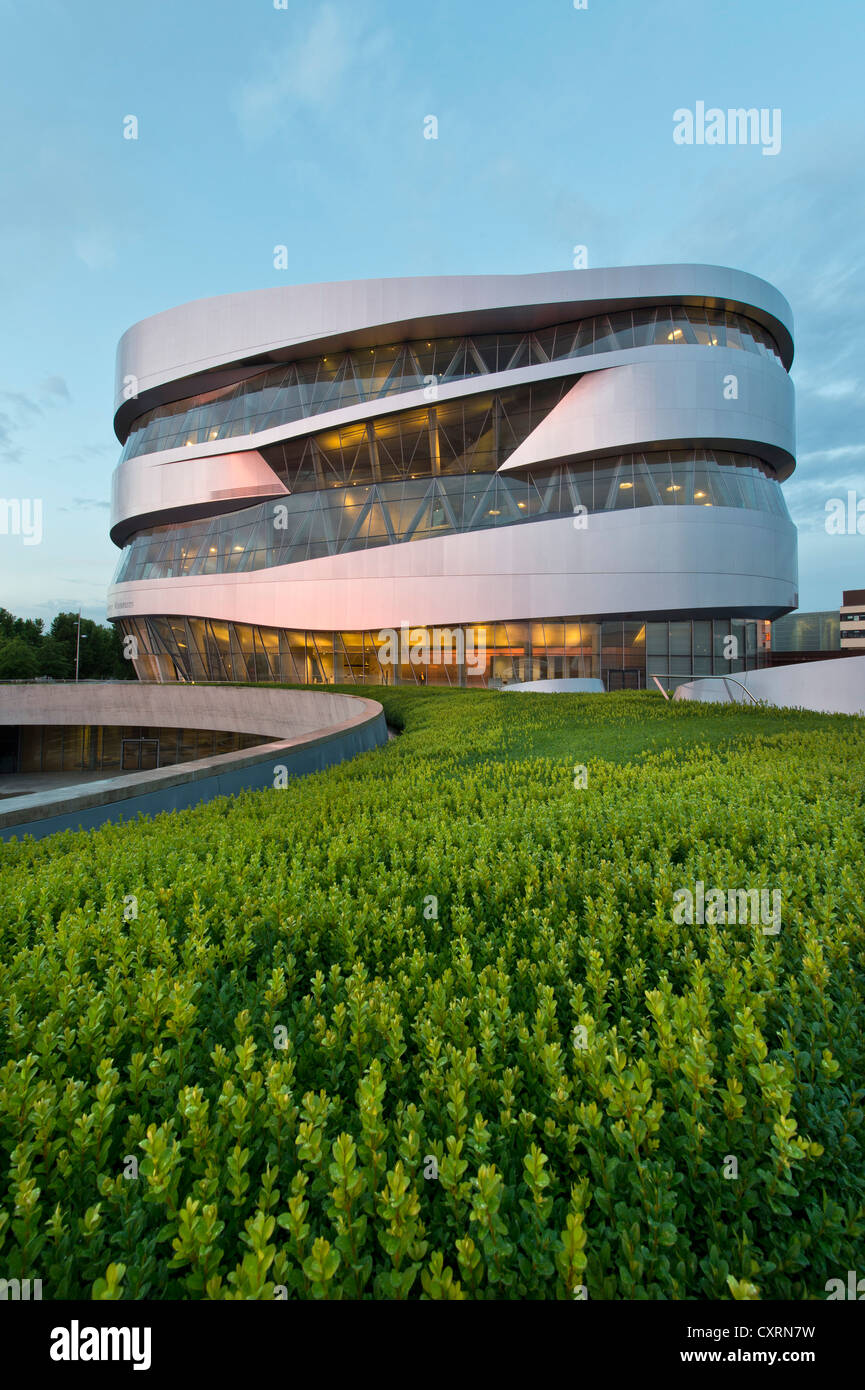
[(54, 660), (18, 660), (52, 654), (30, 629), (100, 652)]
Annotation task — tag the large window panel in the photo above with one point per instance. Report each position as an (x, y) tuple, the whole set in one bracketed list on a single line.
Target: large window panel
[(680, 639), (622, 494)]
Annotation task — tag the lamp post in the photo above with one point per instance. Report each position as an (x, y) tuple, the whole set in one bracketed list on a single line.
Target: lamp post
[(78, 645)]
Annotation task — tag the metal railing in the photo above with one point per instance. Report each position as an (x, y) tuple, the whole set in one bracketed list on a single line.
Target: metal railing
[(657, 676)]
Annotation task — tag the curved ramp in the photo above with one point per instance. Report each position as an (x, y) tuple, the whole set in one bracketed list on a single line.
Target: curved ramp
[(309, 730)]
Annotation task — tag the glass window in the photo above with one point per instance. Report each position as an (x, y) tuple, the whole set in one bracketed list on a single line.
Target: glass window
[(624, 490), (605, 334), (663, 330), (700, 326), (680, 639), (702, 638), (734, 337), (682, 329), (605, 475), (717, 327), (644, 327)]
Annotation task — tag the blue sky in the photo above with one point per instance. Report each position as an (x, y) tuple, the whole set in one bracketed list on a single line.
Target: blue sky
[(303, 126)]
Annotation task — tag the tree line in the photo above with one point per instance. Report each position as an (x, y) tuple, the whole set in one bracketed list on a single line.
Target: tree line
[(28, 651)]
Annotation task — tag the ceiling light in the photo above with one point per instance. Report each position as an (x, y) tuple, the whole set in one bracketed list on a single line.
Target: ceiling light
[(626, 484), (675, 335), (674, 487), (699, 494), (493, 511)]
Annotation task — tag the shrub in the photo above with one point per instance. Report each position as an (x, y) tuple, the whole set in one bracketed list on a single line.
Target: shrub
[(425, 1025)]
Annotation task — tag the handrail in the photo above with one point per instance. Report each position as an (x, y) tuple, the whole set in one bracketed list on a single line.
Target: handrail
[(671, 675), (741, 686)]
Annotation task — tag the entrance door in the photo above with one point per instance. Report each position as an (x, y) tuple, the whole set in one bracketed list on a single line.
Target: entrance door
[(139, 754)]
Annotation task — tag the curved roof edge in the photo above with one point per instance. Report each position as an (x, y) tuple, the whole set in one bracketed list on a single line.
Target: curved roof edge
[(165, 354)]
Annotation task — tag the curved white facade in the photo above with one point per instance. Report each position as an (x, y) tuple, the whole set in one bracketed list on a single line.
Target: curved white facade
[(572, 469)]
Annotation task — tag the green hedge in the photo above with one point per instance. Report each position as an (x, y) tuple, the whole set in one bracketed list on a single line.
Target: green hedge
[(578, 1069)]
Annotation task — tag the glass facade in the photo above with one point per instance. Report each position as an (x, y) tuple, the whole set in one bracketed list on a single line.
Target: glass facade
[(306, 525), (116, 748), (676, 650), (623, 653), (473, 434), (807, 632), (294, 391)]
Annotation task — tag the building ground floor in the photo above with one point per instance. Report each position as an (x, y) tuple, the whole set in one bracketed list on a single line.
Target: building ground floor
[(624, 653), (32, 749)]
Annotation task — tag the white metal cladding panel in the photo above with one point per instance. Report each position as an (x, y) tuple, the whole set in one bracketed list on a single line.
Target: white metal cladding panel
[(664, 397), (208, 333), (158, 493), (644, 561)]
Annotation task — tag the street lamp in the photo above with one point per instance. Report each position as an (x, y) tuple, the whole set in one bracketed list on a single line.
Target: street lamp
[(78, 645)]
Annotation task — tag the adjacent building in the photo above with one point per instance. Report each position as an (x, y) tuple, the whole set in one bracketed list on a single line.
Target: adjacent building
[(852, 620), (458, 480), (810, 636)]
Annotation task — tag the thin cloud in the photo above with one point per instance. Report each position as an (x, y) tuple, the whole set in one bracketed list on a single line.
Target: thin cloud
[(843, 452), (96, 248), (305, 74), (84, 504), (55, 386)]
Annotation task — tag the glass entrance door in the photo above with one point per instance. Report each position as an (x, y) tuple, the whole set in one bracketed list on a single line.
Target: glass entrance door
[(139, 754)]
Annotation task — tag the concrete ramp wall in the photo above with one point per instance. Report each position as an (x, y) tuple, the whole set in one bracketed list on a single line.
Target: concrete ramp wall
[(311, 730), (828, 687)]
